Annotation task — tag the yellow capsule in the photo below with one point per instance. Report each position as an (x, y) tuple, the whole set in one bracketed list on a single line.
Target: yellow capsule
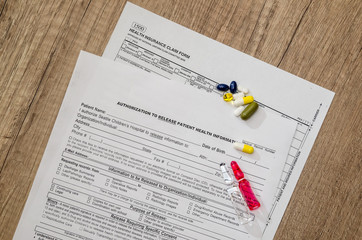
[(243, 147), (228, 97), (243, 101), (248, 99), (248, 149)]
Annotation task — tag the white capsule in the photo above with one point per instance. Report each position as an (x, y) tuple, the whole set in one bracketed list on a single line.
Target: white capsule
[(238, 95), (243, 147), (242, 89), (238, 111), (238, 102)]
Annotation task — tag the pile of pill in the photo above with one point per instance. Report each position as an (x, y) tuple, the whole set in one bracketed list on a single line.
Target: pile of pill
[(245, 106)]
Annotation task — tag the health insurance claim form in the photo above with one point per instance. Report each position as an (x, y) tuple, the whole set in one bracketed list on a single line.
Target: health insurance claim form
[(132, 156), (157, 45)]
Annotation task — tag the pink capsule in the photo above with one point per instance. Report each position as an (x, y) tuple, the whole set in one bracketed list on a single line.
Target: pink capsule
[(245, 187)]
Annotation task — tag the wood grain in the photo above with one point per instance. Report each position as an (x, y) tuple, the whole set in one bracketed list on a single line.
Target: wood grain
[(319, 40)]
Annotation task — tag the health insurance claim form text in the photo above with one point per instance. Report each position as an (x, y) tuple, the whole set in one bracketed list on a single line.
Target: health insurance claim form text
[(132, 156), (157, 45)]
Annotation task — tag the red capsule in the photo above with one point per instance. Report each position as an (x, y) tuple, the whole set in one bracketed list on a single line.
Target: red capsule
[(237, 171), (248, 194), (245, 187)]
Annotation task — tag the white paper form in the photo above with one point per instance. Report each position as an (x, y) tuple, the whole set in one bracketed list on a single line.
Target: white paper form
[(160, 46), (133, 157)]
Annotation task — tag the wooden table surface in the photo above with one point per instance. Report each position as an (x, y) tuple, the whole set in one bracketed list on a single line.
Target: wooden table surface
[(318, 40)]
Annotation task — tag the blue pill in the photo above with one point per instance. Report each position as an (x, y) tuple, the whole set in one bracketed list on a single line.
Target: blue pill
[(233, 87), (222, 87)]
